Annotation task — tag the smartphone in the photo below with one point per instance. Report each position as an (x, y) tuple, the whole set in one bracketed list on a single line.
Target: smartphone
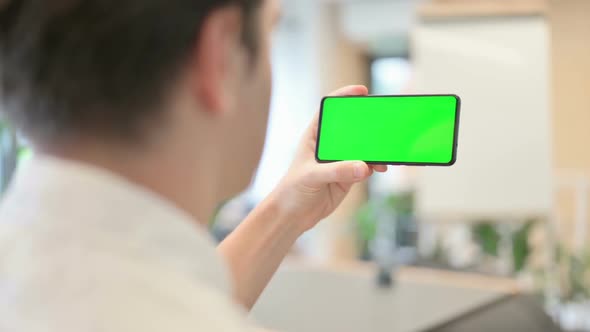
[(393, 130)]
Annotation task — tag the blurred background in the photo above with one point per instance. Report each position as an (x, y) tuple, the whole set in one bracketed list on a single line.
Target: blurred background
[(497, 242)]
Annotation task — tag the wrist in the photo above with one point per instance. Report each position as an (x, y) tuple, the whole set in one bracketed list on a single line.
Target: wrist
[(285, 212)]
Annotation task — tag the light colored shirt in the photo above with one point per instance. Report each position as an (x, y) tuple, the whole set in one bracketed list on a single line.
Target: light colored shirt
[(83, 250)]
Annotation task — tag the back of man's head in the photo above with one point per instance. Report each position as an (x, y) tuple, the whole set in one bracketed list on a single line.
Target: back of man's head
[(99, 67)]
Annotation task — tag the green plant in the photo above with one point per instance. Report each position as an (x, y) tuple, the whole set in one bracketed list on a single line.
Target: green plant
[(488, 237), (573, 274), (400, 204), (520, 245), (568, 276), (24, 153)]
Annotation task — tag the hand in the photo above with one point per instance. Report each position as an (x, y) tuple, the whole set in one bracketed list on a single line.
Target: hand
[(308, 193), (312, 191)]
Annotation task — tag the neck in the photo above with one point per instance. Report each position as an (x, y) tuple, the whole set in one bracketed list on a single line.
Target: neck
[(188, 184)]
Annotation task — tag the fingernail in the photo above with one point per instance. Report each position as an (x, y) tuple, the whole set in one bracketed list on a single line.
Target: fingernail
[(359, 170)]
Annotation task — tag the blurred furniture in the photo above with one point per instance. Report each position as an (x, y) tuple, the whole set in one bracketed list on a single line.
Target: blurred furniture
[(515, 313), (462, 8), (346, 298)]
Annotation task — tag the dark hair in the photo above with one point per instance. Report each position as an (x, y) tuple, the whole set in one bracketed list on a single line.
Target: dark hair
[(98, 67)]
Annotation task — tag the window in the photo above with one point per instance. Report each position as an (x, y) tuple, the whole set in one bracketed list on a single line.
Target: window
[(390, 75)]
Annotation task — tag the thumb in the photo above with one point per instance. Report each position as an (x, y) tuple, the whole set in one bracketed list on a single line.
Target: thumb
[(343, 172)]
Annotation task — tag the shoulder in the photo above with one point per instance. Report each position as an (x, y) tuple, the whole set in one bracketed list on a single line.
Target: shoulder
[(105, 293), (165, 302)]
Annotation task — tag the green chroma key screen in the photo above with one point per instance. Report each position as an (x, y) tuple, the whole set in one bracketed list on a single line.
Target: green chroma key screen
[(406, 130)]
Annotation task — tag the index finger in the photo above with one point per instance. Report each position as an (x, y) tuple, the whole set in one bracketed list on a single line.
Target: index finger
[(351, 90)]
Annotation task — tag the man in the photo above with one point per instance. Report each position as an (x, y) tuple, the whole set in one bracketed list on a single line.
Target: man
[(144, 115)]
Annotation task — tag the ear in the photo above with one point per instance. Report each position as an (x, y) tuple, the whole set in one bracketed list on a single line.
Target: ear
[(214, 67)]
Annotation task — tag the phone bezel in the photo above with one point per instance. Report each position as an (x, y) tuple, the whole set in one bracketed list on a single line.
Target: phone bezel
[(397, 163)]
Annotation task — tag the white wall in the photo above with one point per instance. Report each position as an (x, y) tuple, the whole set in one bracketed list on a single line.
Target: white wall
[(381, 25), (367, 20), (499, 66), (296, 90)]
